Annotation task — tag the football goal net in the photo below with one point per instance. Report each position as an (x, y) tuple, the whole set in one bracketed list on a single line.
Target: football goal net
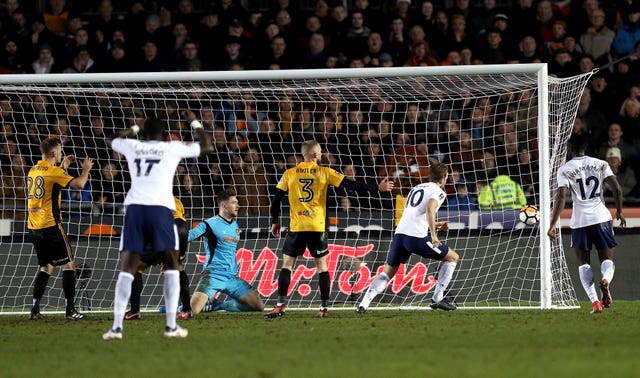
[(492, 124)]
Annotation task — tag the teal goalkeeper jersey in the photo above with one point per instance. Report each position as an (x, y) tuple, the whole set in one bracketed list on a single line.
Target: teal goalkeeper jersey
[(221, 241)]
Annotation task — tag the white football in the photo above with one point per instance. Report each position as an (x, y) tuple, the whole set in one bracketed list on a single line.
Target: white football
[(529, 215)]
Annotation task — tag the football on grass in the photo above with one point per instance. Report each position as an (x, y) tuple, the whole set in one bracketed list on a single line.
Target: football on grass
[(529, 215)]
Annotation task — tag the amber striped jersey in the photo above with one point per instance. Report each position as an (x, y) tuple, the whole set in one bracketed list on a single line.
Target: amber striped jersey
[(307, 185), (44, 184)]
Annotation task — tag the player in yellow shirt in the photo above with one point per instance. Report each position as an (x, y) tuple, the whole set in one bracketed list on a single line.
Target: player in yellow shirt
[(306, 185), (45, 182)]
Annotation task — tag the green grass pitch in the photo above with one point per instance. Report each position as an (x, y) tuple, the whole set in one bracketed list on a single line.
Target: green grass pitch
[(463, 343)]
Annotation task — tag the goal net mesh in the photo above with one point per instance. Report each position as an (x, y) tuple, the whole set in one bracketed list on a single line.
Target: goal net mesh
[(484, 125)]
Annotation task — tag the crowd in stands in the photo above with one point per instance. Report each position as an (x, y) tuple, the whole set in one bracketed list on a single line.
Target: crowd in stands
[(573, 37)]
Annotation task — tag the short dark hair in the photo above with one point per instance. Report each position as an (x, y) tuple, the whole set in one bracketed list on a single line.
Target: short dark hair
[(578, 142), (225, 194), (49, 144), (153, 127)]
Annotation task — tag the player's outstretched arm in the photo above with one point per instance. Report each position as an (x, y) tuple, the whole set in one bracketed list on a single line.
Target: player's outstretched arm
[(558, 205), (386, 185)]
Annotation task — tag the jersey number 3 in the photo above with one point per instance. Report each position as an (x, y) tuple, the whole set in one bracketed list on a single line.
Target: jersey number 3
[(306, 188)]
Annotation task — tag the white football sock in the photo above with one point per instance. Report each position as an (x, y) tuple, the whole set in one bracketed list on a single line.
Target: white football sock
[(171, 295), (123, 292), (444, 277), (607, 268), (586, 277), (377, 286)]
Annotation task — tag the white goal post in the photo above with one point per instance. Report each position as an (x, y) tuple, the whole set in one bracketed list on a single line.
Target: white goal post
[(487, 121)]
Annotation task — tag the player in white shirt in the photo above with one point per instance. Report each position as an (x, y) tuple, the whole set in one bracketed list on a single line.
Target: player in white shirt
[(590, 221), (417, 232), (149, 215)]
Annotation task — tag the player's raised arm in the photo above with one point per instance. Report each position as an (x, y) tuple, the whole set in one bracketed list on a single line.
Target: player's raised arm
[(80, 181), (131, 132), (204, 139)]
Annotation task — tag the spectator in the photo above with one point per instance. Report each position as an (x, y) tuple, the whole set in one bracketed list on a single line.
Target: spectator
[(13, 59), (279, 54), (492, 50), (373, 18), (45, 63), (78, 200), (462, 201), (421, 55), (118, 59), (625, 176), (357, 34), (374, 50), (109, 189), (616, 139), (315, 56), (501, 194), (250, 181), (426, 18), (596, 40), (457, 38), (397, 43), (523, 18), (82, 63), (558, 35), (150, 60), (232, 56), (56, 17), (545, 18), (630, 118), (562, 64), (14, 187), (528, 51), (628, 34), (106, 21)]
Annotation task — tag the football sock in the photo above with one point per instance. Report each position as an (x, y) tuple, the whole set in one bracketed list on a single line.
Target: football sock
[(123, 292), (184, 291), (586, 278), (234, 306), (39, 287), (136, 292), (325, 287), (377, 286), (69, 287), (444, 277), (212, 305), (171, 295), (607, 268), (284, 279)]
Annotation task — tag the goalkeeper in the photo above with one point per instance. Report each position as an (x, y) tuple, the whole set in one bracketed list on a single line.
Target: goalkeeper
[(417, 232), (220, 274)]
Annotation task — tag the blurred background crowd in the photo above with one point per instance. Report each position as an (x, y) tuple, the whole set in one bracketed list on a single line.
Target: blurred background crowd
[(572, 36)]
